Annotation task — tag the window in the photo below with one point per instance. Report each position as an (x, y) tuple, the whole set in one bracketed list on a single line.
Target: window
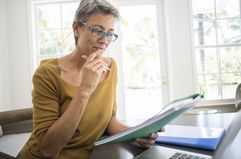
[(138, 49), (141, 60), (53, 30), (217, 40)]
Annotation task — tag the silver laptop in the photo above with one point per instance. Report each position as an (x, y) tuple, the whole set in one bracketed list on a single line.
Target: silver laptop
[(222, 152)]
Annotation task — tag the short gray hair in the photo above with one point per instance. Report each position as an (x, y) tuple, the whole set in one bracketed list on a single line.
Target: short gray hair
[(87, 8)]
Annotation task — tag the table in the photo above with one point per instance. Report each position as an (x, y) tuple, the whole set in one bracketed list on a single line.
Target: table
[(127, 151)]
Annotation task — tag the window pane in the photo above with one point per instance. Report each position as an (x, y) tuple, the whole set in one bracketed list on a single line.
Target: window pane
[(230, 83), (206, 61), (68, 42), (50, 42), (231, 70), (205, 7), (230, 60), (227, 8), (48, 16), (229, 31), (204, 32), (208, 86), (54, 28), (68, 11), (141, 60)]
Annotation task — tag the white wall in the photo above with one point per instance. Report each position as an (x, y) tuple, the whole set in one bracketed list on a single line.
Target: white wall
[(179, 48), (15, 59), (4, 65)]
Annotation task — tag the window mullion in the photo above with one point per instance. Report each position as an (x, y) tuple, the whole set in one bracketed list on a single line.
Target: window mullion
[(219, 74), (219, 77)]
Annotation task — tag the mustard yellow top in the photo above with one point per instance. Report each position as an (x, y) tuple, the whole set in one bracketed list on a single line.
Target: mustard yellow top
[(51, 96)]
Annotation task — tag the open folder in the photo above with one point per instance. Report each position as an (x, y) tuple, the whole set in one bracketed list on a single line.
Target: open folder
[(155, 123), (191, 136)]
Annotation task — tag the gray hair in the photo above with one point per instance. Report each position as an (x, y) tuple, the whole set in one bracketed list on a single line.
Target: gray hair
[(87, 8)]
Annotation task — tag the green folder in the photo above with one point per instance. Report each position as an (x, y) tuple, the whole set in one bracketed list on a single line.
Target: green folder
[(155, 123)]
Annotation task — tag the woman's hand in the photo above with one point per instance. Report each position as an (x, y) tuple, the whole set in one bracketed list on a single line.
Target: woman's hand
[(92, 71), (147, 142)]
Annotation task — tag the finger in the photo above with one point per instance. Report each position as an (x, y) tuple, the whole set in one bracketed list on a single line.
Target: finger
[(145, 141), (96, 62), (162, 130), (93, 56), (98, 66), (93, 65), (154, 136), (101, 69), (137, 144), (144, 145), (140, 144), (84, 57)]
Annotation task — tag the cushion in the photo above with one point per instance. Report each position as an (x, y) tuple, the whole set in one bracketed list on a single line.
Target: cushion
[(12, 144), (17, 127)]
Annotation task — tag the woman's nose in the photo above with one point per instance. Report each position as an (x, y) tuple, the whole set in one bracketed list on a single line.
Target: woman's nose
[(104, 40)]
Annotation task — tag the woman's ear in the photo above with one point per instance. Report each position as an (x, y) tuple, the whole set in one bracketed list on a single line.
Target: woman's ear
[(75, 27)]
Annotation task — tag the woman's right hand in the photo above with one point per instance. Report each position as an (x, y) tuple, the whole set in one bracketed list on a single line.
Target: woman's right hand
[(91, 72)]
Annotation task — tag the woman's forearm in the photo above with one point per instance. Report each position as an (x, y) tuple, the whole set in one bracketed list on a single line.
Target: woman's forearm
[(61, 131), (115, 126)]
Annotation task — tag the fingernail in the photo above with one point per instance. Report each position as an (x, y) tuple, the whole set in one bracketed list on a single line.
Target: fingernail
[(84, 57)]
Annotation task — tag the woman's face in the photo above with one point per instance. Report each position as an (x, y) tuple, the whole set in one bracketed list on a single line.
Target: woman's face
[(87, 42)]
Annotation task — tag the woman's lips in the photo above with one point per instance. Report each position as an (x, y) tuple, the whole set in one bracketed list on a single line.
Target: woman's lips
[(99, 48)]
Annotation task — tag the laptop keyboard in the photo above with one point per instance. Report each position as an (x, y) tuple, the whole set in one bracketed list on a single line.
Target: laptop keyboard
[(179, 155)]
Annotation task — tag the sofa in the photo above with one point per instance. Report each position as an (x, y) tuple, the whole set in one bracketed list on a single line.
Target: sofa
[(16, 127)]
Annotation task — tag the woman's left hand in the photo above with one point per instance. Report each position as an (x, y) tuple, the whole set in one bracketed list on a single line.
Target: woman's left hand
[(147, 142)]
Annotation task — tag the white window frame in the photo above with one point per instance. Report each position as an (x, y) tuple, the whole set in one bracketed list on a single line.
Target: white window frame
[(214, 102), (162, 50), (161, 39)]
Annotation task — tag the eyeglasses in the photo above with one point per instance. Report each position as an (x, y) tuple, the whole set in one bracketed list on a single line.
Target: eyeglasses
[(99, 33)]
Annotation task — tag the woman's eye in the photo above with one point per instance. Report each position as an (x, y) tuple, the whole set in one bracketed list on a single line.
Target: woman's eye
[(97, 30), (110, 34)]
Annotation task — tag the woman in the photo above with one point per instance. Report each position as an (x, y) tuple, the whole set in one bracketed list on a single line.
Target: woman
[(74, 97)]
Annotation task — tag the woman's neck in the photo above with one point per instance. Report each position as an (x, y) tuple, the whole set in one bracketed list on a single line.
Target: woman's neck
[(73, 61)]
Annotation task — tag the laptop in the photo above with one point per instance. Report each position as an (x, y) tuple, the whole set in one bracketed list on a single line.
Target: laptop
[(177, 152)]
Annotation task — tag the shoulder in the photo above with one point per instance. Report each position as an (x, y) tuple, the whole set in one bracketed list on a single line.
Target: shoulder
[(46, 66), (49, 62)]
